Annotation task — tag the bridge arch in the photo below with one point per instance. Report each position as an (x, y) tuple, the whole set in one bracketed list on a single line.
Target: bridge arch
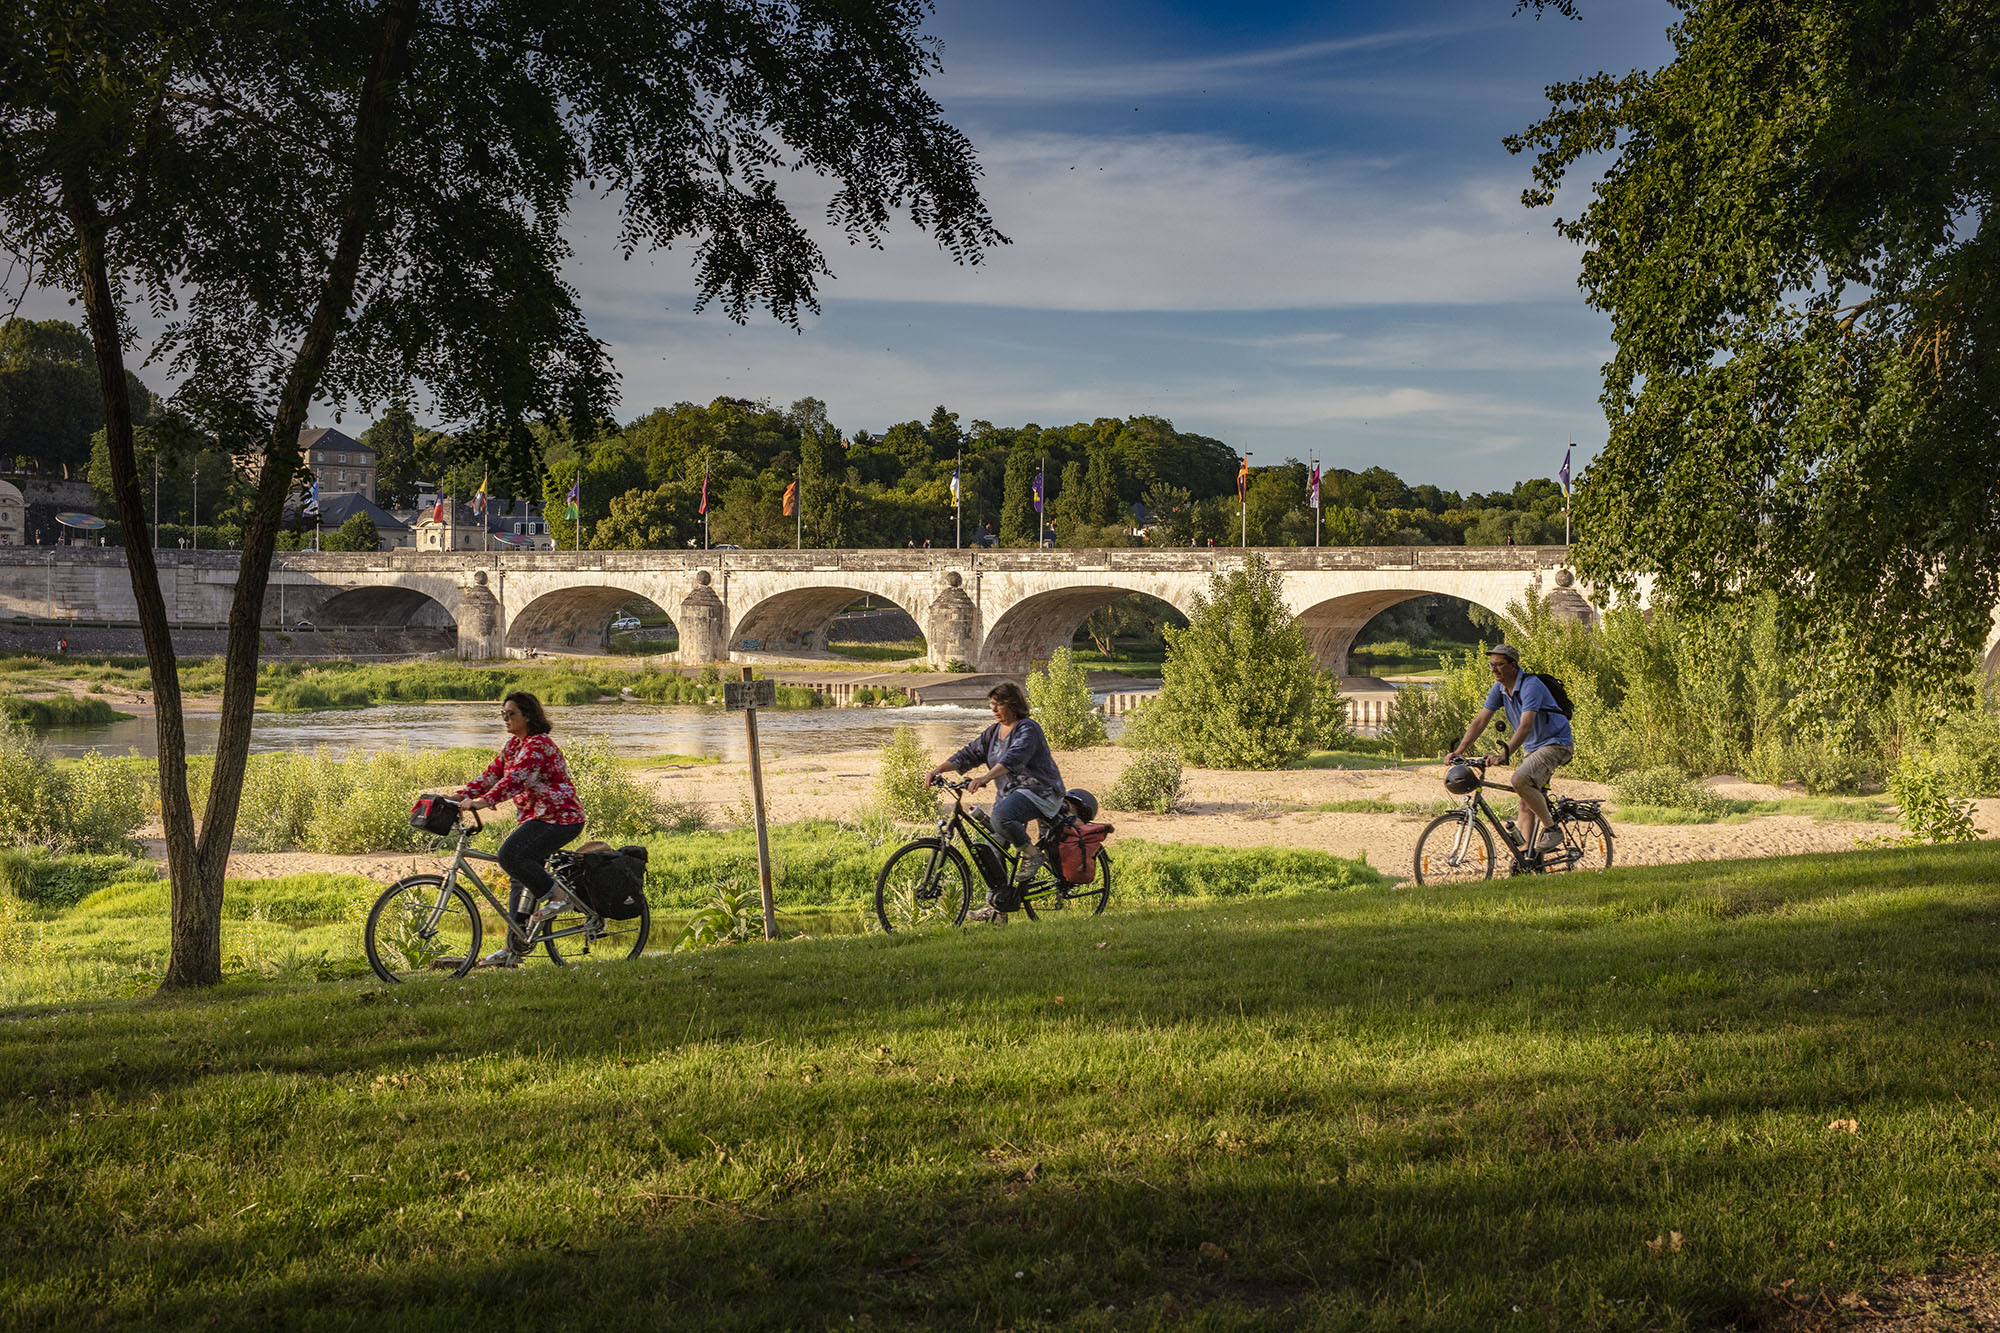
[(1332, 625), (794, 622), (1033, 628), (384, 607), (576, 618)]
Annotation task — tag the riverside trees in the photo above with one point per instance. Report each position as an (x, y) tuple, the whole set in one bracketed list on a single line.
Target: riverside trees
[(1796, 241), (345, 203)]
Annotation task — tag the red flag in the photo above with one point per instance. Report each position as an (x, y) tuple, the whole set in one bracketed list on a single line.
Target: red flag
[(704, 492), (791, 499)]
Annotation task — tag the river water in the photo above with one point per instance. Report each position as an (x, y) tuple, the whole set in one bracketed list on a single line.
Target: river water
[(631, 729)]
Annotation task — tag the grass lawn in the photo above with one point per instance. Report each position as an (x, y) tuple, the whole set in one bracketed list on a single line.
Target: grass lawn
[(1634, 1101)]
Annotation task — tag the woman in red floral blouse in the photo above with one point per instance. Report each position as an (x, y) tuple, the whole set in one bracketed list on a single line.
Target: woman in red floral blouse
[(530, 771)]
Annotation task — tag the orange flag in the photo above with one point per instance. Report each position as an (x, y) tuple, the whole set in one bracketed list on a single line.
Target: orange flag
[(1243, 479), (791, 499)]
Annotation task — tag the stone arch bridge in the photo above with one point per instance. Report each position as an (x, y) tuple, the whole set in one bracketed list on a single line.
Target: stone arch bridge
[(991, 610)]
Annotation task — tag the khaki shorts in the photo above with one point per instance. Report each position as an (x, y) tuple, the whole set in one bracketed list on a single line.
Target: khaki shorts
[(1540, 766)]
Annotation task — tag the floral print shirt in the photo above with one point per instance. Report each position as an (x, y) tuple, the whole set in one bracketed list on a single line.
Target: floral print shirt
[(530, 771)]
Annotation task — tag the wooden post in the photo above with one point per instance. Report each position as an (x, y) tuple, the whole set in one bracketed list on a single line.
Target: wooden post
[(757, 805)]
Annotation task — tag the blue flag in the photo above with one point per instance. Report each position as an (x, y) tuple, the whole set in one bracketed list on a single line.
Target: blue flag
[(1563, 476)]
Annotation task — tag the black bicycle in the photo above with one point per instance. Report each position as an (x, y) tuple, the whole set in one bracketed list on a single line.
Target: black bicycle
[(428, 925), (1457, 847), (927, 883)]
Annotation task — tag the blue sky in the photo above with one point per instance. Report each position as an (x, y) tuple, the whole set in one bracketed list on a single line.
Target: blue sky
[(1289, 226)]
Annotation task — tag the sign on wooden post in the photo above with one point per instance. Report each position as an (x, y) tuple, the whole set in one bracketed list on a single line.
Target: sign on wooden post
[(749, 695)]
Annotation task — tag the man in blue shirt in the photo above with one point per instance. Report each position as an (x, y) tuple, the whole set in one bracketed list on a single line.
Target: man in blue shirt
[(1536, 729)]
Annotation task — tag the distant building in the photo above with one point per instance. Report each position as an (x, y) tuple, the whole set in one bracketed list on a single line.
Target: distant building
[(13, 515), (509, 525), (392, 533), (340, 463)]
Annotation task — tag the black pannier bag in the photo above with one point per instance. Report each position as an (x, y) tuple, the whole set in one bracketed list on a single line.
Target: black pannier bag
[(434, 814), (612, 880)]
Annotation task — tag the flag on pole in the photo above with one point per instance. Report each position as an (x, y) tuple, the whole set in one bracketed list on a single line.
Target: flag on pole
[(1243, 478), (1313, 497), (437, 510), (570, 500), (1563, 476), (479, 500), (954, 485), (791, 499), (1038, 492), (311, 509), (704, 492)]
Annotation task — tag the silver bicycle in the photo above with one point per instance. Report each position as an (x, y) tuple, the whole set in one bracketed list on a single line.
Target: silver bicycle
[(429, 925)]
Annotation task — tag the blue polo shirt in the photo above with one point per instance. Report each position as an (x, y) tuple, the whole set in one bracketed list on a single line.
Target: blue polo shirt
[(1551, 727)]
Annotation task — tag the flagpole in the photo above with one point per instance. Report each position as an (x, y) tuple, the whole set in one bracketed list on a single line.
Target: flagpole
[(1042, 509), (1243, 500), (799, 512), (1318, 503), (1572, 445), (704, 506), (958, 503)]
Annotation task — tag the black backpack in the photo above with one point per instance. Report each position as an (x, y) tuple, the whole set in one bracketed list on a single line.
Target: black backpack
[(1555, 688)]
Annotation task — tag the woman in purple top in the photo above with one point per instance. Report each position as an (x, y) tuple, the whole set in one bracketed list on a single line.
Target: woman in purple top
[(1018, 763)]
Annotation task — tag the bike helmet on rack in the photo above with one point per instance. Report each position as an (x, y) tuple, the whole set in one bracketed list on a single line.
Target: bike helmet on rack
[(1083, 803), (1460, 779)]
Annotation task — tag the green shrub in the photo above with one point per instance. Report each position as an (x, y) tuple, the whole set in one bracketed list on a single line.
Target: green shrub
[(63, 710), (1668, 787), (1426, 722), (617, 805), (903, 783), (91, 805), (1059, 698), (1240, 687), (1152, 781), (60, 882), (1919, 786)]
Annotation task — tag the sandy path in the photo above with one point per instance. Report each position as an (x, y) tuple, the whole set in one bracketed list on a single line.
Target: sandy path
[(1225, 809)]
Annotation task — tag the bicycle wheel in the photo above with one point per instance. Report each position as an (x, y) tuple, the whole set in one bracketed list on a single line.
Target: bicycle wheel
[(418, 929), (597, 939), (1086, 899), (1588, 841), (924, 886), (1454, 849)]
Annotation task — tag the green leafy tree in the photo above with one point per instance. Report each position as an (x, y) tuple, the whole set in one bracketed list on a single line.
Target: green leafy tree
[(1240, 687), (943, 433), (1018, 520), (356, 534), (393, 437), (49, 403), (1793, 234), (1059, 697), (660, 519), (1072, 509), (411, 170)]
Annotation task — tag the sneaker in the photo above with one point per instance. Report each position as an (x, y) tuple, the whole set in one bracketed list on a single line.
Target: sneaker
[(993, 914), (1550, 841), (1031, 863)]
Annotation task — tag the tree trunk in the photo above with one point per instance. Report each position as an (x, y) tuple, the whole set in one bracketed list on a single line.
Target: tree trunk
[(197, 864)]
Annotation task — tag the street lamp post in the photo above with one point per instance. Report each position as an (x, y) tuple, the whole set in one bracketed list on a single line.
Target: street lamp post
[(197, 509)]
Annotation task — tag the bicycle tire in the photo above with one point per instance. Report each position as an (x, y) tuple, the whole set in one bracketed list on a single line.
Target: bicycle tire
[(388, 937), (923, 898), (1592, 838), (603, 939), (1434, 864), (1070, 897)]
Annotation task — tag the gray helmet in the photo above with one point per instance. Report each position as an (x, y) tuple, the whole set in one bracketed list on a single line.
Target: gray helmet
[(1083, 803)]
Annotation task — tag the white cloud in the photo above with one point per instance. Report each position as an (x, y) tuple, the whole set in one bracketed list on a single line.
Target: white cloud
[(1184, 222)]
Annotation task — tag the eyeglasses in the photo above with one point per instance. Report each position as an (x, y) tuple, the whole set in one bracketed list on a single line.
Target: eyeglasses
[(510, 712)]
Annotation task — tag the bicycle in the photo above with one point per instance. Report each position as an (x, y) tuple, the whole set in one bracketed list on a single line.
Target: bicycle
[(424, 925), (1456, 847), (926, 884)]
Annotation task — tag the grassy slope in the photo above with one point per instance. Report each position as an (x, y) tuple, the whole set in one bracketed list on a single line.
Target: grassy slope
[(1460, 1109)]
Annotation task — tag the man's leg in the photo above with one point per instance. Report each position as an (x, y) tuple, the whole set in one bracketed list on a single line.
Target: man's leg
[(1531, 775)]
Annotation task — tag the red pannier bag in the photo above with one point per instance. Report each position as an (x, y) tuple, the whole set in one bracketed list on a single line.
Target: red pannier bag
[(1077, 845)]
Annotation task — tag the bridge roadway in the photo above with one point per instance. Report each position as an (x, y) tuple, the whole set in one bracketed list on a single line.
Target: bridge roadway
[(993, 610)]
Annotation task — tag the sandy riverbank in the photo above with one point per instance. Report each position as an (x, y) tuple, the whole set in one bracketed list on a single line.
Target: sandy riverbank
[(1225, 809)]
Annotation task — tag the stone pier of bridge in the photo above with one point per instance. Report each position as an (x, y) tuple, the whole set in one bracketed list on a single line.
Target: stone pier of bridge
[(987, 610)]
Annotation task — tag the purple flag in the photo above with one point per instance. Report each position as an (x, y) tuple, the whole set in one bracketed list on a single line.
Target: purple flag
[(1038, 492), (1563, 476)]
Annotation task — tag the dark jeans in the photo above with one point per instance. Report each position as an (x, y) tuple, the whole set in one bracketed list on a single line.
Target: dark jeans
[(1011, 814), (523, 854)]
